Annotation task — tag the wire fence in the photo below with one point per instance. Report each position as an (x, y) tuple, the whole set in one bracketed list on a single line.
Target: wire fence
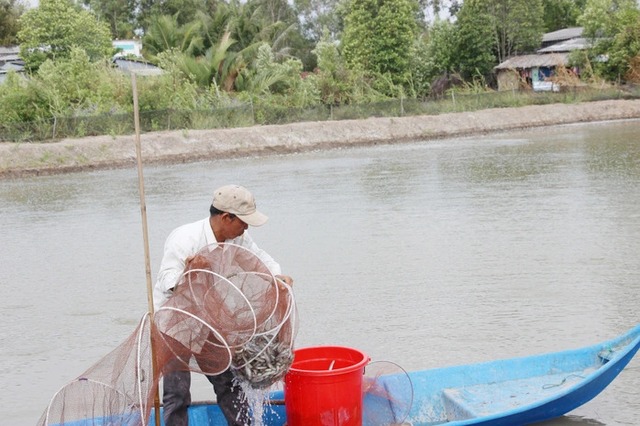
[(251, 114)]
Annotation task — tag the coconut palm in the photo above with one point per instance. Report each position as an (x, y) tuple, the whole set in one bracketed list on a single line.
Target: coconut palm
[(164, 33)]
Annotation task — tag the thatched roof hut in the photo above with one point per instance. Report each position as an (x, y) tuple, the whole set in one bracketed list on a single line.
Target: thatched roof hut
[(533, 61), (534, 69)]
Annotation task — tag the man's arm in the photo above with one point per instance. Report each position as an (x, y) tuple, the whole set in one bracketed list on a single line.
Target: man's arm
[(177, 252), (271, 264), (247, 242)]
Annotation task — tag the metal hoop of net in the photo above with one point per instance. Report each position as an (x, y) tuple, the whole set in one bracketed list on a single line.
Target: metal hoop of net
[(229, 312)]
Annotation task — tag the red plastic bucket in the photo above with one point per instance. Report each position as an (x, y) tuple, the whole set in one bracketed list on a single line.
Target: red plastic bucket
[(323, 387)]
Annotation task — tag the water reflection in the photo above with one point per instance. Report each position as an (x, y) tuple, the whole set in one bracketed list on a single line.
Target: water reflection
[(388, 181), (44, 196)]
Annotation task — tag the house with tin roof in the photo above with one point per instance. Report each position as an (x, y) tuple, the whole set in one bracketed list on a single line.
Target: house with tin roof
[(534, 70), (10, 61), (128, 59)]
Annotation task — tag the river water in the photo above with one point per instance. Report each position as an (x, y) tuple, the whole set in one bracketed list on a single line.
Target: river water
[(424, 254)]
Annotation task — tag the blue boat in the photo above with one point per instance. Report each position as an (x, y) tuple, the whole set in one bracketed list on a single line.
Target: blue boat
[(516, 391), (519, 391)]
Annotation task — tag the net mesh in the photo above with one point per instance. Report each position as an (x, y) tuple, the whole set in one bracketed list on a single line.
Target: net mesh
[(387, 394), (229, 312)]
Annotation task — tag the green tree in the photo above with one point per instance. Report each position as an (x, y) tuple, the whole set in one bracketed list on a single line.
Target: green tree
[(441, 47), (606, 18), (71, 86), (10, 12), (318, 15), (19, 100), (517, 24), (208, 57), (421, 68), (614, 29), (476, 37), (166, 33), (51, 30), (336, 82), (271, 21), (218, 67), (434, 55), (268, 21), (186, 10), (76, 86), (266, 76), (379, 36), (119, 14), (559, 14), (333, 75)]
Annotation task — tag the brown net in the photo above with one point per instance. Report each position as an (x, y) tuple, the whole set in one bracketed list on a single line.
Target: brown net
[(230, 312)]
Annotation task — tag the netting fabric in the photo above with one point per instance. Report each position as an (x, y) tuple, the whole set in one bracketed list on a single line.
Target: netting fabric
[(229, 312), (387, 394)]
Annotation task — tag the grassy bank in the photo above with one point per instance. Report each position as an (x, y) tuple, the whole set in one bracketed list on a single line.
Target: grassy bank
[(97, 152), (247, 115)]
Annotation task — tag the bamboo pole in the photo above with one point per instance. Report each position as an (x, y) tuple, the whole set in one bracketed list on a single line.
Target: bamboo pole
[(145, 236)]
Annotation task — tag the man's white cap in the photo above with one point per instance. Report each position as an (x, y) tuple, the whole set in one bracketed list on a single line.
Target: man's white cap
[(238, 200)]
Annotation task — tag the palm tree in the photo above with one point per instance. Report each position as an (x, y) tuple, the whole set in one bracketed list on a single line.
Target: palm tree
[(218, 66), (164, 33)]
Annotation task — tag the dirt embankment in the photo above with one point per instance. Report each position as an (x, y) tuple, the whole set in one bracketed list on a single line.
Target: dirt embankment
[(69, 155)]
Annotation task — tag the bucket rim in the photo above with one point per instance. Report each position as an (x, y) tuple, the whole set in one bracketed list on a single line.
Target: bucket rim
[(360, 364)]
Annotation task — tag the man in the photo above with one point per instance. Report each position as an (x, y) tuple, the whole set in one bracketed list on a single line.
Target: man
[(232, 210)]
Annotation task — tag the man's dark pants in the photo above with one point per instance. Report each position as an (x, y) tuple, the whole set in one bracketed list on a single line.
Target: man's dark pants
[(177, 397)]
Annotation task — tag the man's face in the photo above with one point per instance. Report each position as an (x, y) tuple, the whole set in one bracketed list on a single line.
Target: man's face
[(233, 227)]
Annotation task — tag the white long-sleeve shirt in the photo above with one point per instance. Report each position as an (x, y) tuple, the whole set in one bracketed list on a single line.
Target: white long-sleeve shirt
[(187, 240)]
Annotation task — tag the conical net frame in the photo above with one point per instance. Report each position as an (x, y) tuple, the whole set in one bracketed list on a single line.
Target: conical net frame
[(285, 327), (213, 314), (197, 340), (220, 280), (117, 389), (262, 328)]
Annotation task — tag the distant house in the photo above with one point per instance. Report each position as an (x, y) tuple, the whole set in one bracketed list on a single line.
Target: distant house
[(9, 54), (10, 61), (559, 36), (534, 70), (127, 48), (129, 58)]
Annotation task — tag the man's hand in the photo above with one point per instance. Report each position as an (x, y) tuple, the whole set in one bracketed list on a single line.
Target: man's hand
[(286, 279), (197, 262)]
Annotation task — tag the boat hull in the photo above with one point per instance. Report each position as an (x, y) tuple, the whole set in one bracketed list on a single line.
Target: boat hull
[(520, 390), (515, 391), (505, 392)]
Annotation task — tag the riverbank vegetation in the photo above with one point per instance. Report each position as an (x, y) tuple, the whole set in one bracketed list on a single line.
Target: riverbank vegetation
[(230, 63)]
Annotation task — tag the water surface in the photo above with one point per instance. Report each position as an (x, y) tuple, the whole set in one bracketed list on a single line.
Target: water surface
[(425, 254)]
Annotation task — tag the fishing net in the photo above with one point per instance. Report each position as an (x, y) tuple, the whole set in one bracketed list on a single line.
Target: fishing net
[(229, 312), (387, 394)]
